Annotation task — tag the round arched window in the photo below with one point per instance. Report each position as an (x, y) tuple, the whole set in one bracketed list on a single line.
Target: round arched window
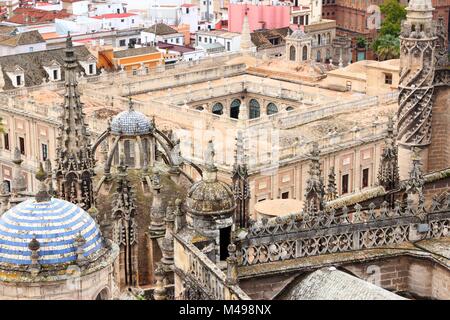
[(217, 108), (255, 109), (292, 53), (271, 108), (234, 108)]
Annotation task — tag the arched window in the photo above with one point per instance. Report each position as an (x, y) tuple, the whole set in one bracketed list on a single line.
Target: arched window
[(271, 108), (318, 39), (129, 153), (254, 109), (199, 108), (289, 108), (234, 108), (319, 57), (217, 108), (305, 53), (292, 53)]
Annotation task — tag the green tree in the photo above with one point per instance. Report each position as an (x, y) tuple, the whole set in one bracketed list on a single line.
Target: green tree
[(393, 14), (387, 44), (388, 47), (361, 42)]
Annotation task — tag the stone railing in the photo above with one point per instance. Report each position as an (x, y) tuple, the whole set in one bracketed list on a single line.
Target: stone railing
[(306, 234), (202, 278), (44, 112), (294, 120), (239, 86), (335, 140)]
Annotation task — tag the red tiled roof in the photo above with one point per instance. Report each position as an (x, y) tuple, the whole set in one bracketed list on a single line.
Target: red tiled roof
[(115, 15), (36, 16), (174, 47)]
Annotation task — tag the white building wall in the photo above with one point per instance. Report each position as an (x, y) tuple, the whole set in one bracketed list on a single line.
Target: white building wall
[(80, 7), (148, 37), (194, 55), (109, 8), (191, 17), (7, 50), (234, 43)]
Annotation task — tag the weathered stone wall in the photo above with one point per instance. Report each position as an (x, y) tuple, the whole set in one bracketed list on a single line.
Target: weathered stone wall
[(422, 278), (439, 154), (87, 287), (266, 288), (436, 188)]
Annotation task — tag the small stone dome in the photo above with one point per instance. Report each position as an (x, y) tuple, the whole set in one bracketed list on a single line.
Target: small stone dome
[(210, 197), (131, 122), (52, 227)]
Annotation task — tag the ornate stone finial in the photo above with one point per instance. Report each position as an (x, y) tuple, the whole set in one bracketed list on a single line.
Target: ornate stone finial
[(42, 195), (331, 186), (388, 174), (34, 247), (209, 157), (175, 152), (167, 245), (232, 263), (241, 186), (156, 180), (130, 104), (160, 292), (18, 183), (416, 181), (5, 196), (314, 191), (414, 187), (79, 243), (157, 227), (179, 223)]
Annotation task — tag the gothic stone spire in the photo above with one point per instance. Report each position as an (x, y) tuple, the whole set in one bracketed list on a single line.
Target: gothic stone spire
[(388, 175), (314, 192), (241, 187), (331, 186), (75, 162)]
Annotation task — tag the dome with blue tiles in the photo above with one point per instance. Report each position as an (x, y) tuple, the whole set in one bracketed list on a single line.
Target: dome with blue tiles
[(131, 122), (52, 228)]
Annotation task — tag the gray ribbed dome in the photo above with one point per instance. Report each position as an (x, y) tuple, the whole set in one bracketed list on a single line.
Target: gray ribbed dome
[(210, 197), (131, 122)]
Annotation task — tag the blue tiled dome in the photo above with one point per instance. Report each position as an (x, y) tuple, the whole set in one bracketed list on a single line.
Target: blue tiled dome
[(131, 122), (55, 224)]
